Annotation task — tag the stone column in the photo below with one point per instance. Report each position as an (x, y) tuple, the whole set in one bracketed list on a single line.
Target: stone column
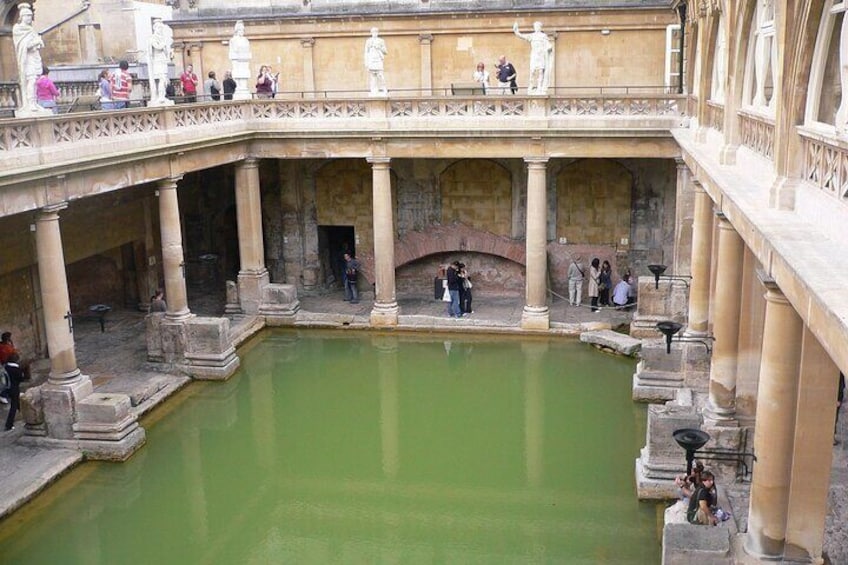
[(775, 427), (426, 42), (65, 386), (699, 291), (253, 275), (726, 314), (58, 323), (385, 312), (813, 453), (308, 45), (684, 210), (536, 315), (172, 250)]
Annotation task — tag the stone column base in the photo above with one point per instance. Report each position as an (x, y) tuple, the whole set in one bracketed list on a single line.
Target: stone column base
[(536, 318), (101, 426), (209, 353), (662, 459), (659, 375), (385, 314), (279, 304), (232, 306), (250, 285)]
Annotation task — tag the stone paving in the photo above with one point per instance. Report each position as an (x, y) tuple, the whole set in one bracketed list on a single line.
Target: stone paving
[(116, 362)]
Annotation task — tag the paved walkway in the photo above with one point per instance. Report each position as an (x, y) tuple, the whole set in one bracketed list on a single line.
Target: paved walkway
[(116, 362)]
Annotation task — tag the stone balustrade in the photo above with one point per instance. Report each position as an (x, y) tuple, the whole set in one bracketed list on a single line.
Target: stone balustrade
[(826, 163), (757, 133)]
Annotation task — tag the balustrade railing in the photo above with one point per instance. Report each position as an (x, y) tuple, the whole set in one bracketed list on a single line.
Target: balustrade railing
[(715, 116), (757, 133), (325, 113), (826, 163)]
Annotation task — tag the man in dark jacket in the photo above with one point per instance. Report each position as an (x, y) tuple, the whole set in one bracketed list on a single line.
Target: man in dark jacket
[(16, 375)]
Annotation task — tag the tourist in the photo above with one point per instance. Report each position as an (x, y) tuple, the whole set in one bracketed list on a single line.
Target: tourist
[(688, 484), (212, 88), (121, 86), (840, 396), (375, 54), (104, 81), (16, 376), (702, 502), (189, 82), (507, 77), (454, 284), (351, 277), (229, 85), (622, 294), (605, 284), (464, 291), (575, 281), (541, 55), (157, 302), (594, 282), (264, 83), (46, 92), (7, 349), (481, 76)]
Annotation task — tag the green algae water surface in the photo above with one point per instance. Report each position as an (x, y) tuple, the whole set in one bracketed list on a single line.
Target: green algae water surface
[(353, 447)]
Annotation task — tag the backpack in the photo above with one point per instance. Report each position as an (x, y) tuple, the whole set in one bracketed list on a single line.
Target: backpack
[(351, 274)]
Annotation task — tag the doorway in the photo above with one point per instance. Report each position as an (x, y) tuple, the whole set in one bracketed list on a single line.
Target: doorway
[(333, 243)]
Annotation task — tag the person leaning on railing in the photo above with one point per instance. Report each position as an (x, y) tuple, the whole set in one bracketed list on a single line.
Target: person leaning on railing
[(46, 92), (121, 86)]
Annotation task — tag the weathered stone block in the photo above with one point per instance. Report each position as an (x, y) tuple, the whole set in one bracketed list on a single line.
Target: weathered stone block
[(233, 306), (684, 544), (279, 304), (102, 408), (209, 353), (153, 336), (668, 302), (617, 342), (250, 287), (59, 403), (661, 458)]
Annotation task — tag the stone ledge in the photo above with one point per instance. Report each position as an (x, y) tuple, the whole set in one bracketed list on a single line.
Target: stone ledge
[(610, 340), (684, 544)]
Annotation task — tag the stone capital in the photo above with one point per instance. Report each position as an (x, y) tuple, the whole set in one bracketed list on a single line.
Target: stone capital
[(307, 42), (169, 183), (425, 38), (536, 162), (51, 211), (377, 162), (248, 163)]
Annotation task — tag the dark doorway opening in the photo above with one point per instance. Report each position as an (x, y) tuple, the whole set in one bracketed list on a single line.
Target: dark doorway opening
[(333, 243)]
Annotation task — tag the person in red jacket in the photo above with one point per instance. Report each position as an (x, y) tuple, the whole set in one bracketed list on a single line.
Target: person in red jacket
[(121, 86), (189, 82)]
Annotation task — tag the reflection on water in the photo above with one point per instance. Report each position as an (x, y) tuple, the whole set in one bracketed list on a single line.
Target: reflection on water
[(366, 448)]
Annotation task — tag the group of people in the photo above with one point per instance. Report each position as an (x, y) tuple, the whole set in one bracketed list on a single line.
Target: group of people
[(541, 62), (699, 493), (600, 289), (457, 290), (12, 374)]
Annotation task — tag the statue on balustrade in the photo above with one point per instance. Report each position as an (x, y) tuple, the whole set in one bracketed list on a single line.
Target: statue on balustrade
[(28, 46), (240, 57), (161, 52), (375, 54), (541, 58)]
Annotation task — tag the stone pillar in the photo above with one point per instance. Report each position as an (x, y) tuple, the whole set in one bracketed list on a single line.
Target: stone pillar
[(684, 210), (775, 427), (65, 385), (726, 314), (426, 42), (699, 291), (536, 315), (385, 312), (813, 453), (308, 45), (253, 275), (172, 250), (58, 323)]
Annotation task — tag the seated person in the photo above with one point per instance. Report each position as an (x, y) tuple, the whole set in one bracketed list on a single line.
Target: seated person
[(702, 504), (622, 294), (689, 484)]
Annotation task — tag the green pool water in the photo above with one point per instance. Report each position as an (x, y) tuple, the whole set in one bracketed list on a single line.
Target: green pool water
[(353, 447)]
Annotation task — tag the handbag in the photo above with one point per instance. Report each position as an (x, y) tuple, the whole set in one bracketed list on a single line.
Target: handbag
[(446, 296)]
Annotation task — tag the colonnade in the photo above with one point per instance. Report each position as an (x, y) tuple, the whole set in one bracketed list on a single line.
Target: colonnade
[(796, 394)]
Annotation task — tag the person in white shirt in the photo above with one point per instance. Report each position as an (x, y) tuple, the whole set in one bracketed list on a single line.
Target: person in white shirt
[(622, 294), (481, 76)]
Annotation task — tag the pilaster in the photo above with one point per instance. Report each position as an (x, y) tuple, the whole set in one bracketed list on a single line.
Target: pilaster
[(308, 44), (426, 42)]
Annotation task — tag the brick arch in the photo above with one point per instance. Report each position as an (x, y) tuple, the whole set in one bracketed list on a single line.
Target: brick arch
[(455, 238)]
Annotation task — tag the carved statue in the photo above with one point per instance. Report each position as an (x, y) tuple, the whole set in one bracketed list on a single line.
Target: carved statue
[(28, 46), (541, 57), (240, 57), (375, 53), (161, 53)]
